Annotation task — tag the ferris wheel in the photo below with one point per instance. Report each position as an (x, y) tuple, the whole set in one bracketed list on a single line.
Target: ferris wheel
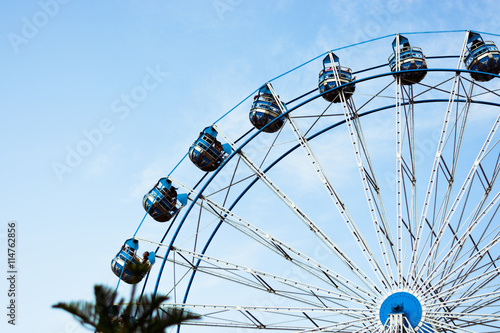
[(365, 201)]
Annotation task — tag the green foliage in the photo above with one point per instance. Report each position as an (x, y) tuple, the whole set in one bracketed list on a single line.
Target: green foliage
[(107, 315)]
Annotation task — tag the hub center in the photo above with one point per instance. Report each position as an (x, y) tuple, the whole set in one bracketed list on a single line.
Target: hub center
[(401, 302)]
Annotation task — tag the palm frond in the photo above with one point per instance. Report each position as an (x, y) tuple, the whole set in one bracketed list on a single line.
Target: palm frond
[(107, 315)]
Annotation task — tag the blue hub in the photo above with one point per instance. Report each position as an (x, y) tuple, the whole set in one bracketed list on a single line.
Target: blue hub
[(402, 302)]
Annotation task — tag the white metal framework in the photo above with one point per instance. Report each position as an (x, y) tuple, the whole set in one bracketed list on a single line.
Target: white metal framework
[(404, 239)]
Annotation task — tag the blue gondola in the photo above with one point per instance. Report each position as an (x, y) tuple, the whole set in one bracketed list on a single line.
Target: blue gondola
[(206, 152), (411, 57), (481, 56), (163, 202), (327, 79), (264, 110), (127, 256)]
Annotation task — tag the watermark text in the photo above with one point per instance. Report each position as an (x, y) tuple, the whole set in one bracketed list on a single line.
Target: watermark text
[(12, 273)]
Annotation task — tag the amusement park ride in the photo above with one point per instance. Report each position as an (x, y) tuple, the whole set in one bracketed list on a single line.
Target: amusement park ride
[(393, 305)]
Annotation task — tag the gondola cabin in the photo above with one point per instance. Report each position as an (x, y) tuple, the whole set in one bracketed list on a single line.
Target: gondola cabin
[(163, 202), (207, 153), (481, 56), (123, 263), (265, 109), (328, 82), (411, 58)]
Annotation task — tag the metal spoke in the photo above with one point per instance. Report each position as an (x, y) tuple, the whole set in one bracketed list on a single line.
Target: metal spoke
[(430, 263), (343, 326), (404, 130), (261, 275), (460, 242), (369, 181), (445, 225), (436, 166), (296, 257), (305, 219), (353, 228), (448, 327)]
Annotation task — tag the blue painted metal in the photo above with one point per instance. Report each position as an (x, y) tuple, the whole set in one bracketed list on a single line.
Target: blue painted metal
[(205, 248), (408, 305), (128, 256), (207, 153), (337, 49), (410, 57), (181, 223), (327, 83), (155, 252), (401, 302), (368, 78), (178, 163), (364, 42), (264, 110), (212, 176), (162, 202), (427, 328), (151, 257), (131, 245), (481, 56)]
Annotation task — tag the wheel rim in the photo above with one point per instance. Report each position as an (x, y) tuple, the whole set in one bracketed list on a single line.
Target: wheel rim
[(382, 279)]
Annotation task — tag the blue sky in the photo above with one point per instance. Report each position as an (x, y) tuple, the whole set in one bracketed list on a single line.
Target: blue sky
[(102, 98)]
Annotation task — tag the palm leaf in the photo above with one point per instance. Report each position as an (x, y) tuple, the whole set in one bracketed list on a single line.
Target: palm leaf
[(107, 315)]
